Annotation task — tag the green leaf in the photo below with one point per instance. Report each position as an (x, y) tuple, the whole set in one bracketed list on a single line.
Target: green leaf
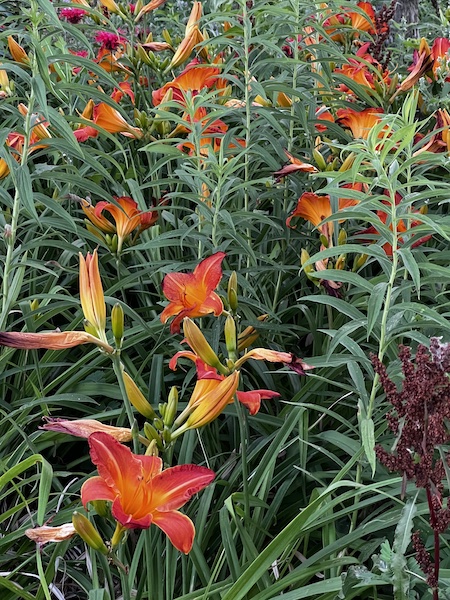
[(374, 305), (368, 441)]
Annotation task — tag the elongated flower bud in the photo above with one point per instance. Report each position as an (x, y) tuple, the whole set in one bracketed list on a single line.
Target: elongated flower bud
[(137, 398), (88, 533), (230, 337), (117, 324), (171, 407), (200, 346), (232, 291)]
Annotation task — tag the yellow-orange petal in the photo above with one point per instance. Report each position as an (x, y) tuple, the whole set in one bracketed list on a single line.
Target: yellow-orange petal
[(86, 427)]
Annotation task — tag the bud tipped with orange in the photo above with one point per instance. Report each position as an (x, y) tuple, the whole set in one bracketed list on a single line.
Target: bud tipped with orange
[(147, 8), (91, 295), (88, 533), (17, 52), (200, 346), (110, 5), (137, 398), (192, 37)]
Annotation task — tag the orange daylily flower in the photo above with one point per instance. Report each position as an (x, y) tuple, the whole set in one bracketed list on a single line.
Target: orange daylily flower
[(210, 139), (195, 77), (358, 70), (315, 208), (360, 123), (51, 340), (91, 295), (109, 119), (46, 534), (86, 427), (440, 53), (126, 214), (294, 165), (364, 20), (192, 294), (141, 492)]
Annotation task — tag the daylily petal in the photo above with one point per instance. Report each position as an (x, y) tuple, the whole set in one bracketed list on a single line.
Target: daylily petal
[(52, 340), (209, 271), (129, 519), (175, 486), (115, 462), (86, 427), (178, 528), (252, 399), (45, 534), (96, 488)]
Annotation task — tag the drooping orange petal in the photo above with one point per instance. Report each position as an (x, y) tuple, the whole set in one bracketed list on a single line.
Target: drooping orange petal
[(252, 399), (360, 123), (178, 528), (209, 271), (214, 402)]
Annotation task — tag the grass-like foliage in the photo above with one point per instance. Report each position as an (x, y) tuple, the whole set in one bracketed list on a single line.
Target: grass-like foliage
[(224, 253)]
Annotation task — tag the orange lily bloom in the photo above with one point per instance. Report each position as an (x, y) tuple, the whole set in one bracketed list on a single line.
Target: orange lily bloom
[(46, 534), (294, 165), (363, 22), (315, 208), (358, 70), (91, 295), (86, 427), (440, 53), (126, 214), (109, 119), (51, 340), (141, 492), (192, 294), (360, 123), (195, 77), (212, 394)]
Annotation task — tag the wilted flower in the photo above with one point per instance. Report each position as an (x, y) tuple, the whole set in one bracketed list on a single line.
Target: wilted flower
[(86, 427), (46, 534)]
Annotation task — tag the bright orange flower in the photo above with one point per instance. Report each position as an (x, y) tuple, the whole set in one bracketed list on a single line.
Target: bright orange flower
[(422, 63), (364, 20), (323, 114), (212, 132), (315, 208), (195, 77), (86, 427), (51, 340), (141, 492), (360, 123), (109, 119), (440, 53), (91, 295), (192, 294), (126, 214), (358, 70)]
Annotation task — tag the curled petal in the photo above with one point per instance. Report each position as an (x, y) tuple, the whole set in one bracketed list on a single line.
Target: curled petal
[(252, 399), (178, 528), (57, 340), (85, 427)]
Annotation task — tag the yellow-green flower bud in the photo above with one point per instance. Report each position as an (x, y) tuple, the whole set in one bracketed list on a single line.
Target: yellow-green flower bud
[(340, 263), (232, 291), (152, 435), (171, 407), (342, 237), (360, 261), (117, 324), (230, 337), (137, 398), (200, 346), (320, 161), (162, 406), (88, 533), (346, 165), (152, 449)]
